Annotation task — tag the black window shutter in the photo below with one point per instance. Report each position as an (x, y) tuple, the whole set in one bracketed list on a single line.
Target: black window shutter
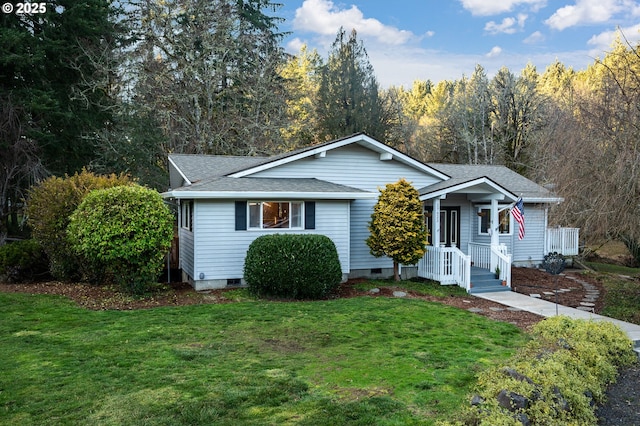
[(241, 215), (309, 215)]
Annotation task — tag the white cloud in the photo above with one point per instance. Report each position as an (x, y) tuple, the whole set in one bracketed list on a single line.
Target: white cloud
[(604, 41), (588, 12), (507, 26), (324, 18), (496, 7), (295, 44), (535, 38), (495, 51)]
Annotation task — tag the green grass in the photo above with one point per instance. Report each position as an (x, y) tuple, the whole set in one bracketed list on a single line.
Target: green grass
[(359, 361), (430, 288), (613, 269), (622, 298)]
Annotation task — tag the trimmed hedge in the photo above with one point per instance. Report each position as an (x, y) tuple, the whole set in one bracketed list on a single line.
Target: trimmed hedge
[(557, 378), (298, 266), (22, 261)]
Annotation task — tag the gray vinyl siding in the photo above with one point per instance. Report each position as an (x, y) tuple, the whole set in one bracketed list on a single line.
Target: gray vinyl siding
[(530, 250), (186, 250), (361, 258), (360, 168), (222, 249), (354, 166)]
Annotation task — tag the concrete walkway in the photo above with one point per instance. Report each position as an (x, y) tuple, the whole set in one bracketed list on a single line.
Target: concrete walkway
[(548, 309)]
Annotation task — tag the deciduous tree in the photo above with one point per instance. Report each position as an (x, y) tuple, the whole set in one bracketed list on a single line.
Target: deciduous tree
[(207, 70)]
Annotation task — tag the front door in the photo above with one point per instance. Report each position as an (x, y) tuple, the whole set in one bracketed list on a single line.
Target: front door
[(449, 225)]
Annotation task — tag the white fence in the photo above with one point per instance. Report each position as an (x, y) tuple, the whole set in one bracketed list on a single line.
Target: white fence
[(563, 240), (448, 265)]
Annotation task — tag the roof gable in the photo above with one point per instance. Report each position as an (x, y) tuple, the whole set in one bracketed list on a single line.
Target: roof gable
[(386, 153), (511, 182)]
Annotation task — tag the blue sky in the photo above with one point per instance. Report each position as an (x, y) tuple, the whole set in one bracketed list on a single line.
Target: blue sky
[(411, 40)]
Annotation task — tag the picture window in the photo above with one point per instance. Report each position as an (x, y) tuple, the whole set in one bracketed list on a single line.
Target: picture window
[(275, 215)]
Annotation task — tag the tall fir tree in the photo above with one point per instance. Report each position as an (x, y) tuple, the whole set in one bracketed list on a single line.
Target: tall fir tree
[(349, 100), (54, 93)]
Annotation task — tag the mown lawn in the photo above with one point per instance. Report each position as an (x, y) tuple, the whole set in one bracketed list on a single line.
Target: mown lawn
[(358, 361)]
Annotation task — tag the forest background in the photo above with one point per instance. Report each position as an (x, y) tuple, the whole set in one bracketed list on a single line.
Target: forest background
[(116, 86)]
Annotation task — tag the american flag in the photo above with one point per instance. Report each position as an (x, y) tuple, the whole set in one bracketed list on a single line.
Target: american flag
[(518, 214)]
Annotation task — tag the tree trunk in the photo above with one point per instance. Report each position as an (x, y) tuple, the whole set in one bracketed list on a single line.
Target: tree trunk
[(396, 273)]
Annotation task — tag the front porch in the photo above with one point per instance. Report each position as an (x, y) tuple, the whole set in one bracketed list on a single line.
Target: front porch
[(474, 240), (475, 270), (474, 236)]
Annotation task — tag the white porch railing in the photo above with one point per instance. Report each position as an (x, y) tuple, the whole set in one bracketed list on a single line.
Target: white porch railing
[(502, 260), (481, 254), (489, 257), (448, 265), (563, 240)]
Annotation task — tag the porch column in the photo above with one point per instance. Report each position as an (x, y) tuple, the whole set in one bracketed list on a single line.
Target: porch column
[(495, 232), (435, 220)]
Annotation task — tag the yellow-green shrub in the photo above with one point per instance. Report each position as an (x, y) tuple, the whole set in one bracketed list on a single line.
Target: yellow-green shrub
[(49, 206), (126, 231), (397, 226), (563, 372)]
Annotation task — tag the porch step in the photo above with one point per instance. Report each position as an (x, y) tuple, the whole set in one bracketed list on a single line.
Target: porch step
[(484, 281)]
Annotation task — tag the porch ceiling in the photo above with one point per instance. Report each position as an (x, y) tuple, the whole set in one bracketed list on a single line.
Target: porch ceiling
[(481, 188)]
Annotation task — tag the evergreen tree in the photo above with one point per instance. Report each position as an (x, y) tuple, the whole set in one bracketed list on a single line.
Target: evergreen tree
[(55, 93), (348, 101), (48, 68), (397, 225), (518, 113)]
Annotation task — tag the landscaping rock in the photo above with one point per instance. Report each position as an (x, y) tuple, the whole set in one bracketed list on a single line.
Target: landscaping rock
[(399, 294), (516, 375), (512, 401), (477, 400), (374, 291)]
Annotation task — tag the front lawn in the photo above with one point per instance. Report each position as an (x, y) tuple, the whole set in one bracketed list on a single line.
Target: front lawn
[(357, 361)]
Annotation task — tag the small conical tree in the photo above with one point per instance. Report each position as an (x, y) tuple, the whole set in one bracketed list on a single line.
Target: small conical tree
[(397, 225)]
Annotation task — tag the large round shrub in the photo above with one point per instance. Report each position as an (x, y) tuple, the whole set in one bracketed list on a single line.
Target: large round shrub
[(291, 265), (49, 206), (126, 230)]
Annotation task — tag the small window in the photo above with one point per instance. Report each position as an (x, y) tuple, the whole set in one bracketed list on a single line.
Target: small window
[(186, 215), (484, 221), (275, 215)]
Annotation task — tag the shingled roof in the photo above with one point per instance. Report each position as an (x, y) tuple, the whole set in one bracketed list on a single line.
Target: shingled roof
[(501, 175), (225, 174)]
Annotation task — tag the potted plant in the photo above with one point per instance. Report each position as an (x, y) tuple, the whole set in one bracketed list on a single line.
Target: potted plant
[(497, 272)]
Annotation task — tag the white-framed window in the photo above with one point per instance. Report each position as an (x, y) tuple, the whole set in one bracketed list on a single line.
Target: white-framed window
[(276, 214), (484, 221), (186, 215)]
